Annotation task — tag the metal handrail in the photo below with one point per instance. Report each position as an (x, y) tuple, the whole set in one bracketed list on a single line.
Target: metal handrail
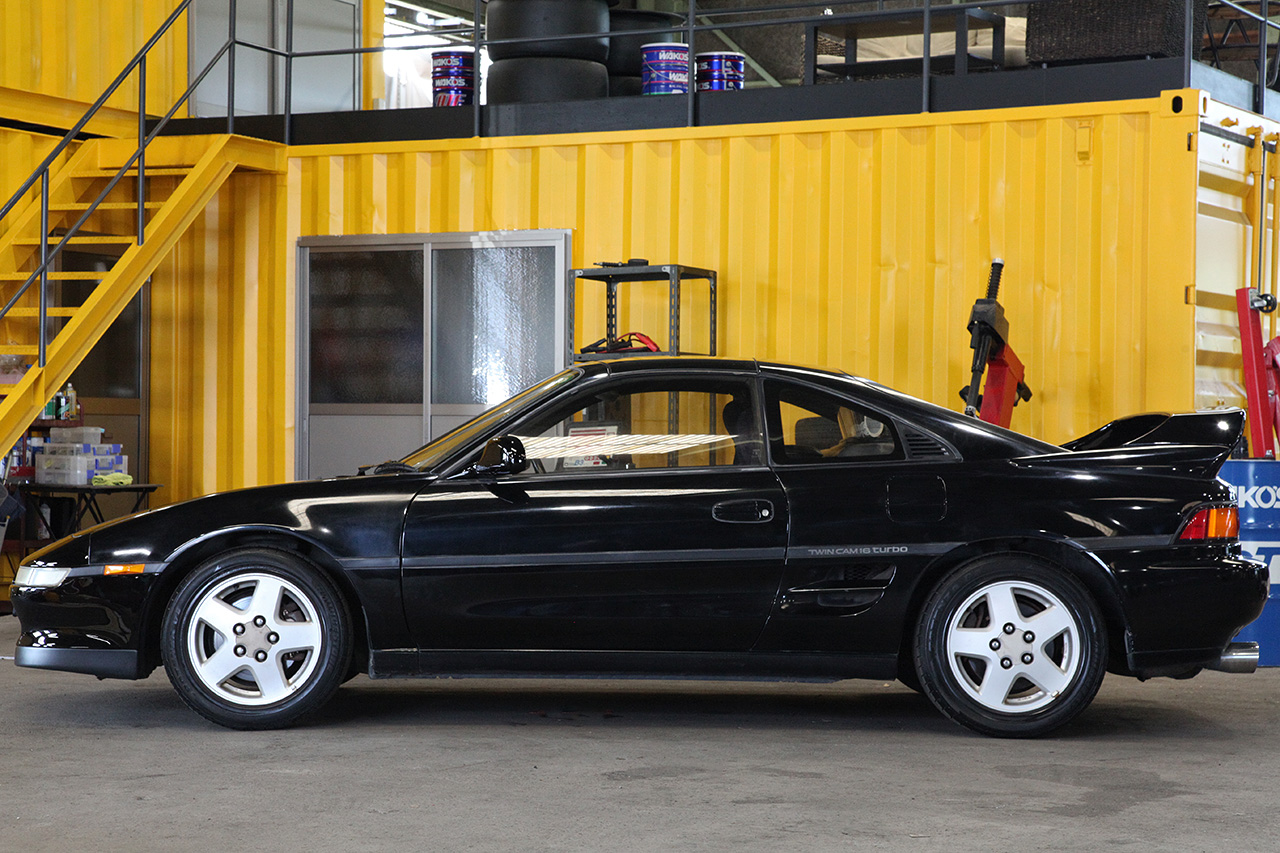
[(697, 20), (1264, 23), (93, 110), (42, 172)]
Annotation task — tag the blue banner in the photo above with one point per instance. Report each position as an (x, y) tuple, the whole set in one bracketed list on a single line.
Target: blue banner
[(1256, 484)]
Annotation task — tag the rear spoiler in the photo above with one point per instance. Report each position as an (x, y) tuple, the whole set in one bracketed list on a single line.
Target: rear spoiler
[(1198, 461), (1221, 428)]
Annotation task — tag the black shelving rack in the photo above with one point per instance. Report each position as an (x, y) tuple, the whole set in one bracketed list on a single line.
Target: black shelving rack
[(612, 276)]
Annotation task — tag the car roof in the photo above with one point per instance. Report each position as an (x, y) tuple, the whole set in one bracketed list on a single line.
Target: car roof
[(628, 363), (974, 438)]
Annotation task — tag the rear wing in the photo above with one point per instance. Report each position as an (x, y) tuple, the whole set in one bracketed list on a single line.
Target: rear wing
[(1197, 461), (1215, 429)]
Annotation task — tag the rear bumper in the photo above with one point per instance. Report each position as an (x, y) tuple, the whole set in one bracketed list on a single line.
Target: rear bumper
[(1184, 607)]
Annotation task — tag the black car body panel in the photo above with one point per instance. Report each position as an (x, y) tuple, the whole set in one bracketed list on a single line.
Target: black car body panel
[(783, 564), (1222, 428)]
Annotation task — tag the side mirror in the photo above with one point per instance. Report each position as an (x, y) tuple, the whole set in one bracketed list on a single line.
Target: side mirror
[(502, 455)]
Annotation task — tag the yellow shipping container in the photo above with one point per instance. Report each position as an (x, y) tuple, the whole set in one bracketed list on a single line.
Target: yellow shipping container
[(855, 243), (72, 50)]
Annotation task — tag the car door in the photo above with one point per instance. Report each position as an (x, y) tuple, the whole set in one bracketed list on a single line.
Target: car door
[(868, 499), (647, 520)]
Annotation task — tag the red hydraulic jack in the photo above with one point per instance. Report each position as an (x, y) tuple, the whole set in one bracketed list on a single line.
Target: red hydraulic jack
[(989, 340), (1261, 371)]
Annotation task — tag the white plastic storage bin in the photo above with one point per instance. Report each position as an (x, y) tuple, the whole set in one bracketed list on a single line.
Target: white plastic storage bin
[(64, 470), (68, 449), (60, 478), (75, 435), (103, 464)]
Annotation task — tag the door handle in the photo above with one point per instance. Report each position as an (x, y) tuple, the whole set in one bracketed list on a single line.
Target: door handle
[(743, 512)]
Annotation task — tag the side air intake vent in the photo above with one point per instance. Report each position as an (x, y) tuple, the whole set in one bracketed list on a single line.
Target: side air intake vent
[(922, 446)]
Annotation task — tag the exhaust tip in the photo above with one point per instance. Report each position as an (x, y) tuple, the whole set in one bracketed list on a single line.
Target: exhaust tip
[(1237, 657)]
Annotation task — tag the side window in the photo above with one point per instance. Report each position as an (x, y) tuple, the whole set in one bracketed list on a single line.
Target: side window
[(677, 423), (807, 426)]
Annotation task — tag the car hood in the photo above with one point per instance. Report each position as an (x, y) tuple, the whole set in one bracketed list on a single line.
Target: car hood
[(349, 516)]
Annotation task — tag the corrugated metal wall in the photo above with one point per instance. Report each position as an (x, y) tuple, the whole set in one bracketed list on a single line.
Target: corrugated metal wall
[(74, 49), (221, 347), (20, 153), (859, 244)]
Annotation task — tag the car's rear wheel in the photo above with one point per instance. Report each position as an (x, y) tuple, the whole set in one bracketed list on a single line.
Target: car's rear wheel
[(255, 638), (1011, 646)]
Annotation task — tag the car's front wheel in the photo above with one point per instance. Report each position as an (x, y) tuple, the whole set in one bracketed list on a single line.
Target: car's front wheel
[(255, 638), (1011, 646)]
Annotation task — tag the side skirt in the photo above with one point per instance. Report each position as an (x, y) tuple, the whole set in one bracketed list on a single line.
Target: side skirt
[(502, 663)]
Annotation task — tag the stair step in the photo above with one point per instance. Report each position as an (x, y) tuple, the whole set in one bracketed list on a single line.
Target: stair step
[(108, 205), (56, 276), (15, 349), (35, 312), (95, 240), (6, 389), (157, 171)]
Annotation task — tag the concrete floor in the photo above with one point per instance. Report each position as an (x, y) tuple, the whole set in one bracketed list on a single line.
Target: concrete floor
[(635, 766)]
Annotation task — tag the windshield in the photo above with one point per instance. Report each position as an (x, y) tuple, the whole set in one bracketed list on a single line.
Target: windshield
[(426, 458)]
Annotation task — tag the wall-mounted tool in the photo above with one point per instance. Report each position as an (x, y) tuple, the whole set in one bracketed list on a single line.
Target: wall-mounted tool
[(1261, 365), (989, 340)]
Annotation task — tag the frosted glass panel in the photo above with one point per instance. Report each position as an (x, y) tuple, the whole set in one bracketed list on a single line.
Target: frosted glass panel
[(366, 327), (210, 27), (324, 83), (493, 322)]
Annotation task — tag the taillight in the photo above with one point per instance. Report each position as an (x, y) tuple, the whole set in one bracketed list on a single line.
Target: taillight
[(1213, 522)]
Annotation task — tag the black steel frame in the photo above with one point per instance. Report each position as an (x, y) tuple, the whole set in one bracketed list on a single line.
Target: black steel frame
[(760, 16)]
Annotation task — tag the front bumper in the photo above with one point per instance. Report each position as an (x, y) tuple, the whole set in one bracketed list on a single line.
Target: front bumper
[(104, 663), (92, 625)]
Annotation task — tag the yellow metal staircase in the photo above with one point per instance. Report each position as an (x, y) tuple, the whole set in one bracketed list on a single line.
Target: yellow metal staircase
[(182, 174)]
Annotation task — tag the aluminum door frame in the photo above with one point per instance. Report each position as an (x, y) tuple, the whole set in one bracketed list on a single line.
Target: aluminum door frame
[(559, 239)]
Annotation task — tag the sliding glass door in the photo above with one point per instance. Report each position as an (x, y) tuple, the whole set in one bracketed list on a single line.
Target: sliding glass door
[(404, 337)]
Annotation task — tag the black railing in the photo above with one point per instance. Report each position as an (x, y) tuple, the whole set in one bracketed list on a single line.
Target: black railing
[(1262, 18), (42, 172), (809, 13), (698, 19)]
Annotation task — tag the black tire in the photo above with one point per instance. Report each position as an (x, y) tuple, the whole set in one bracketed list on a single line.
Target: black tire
[(907, 675), (540, 79), (1011, 646), (625, 87), (526, 19), (283, 659), (625, 57)]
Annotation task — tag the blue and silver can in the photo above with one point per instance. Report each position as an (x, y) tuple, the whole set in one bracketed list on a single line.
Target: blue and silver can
[(666, 68), (453, 77), (720, 71)]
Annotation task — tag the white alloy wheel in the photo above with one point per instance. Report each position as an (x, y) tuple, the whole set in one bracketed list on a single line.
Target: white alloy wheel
[(254, 639), (1013, 646), (1010, 645)]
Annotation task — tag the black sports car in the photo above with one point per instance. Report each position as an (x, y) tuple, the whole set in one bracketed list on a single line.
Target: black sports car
[(684, 517)]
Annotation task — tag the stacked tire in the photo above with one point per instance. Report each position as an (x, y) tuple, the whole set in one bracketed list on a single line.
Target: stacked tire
[(559, 69), (626, 61)]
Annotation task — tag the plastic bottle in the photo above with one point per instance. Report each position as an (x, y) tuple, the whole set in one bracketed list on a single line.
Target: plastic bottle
[(72, 412)]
